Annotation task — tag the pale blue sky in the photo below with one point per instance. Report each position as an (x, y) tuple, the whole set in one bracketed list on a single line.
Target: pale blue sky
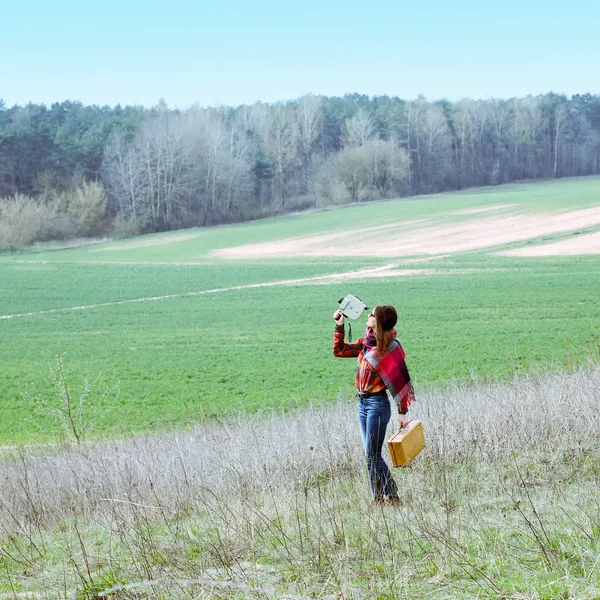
[(233, 52)]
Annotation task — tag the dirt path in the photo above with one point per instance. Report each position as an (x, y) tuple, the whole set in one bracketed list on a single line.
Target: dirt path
[(386, 270)]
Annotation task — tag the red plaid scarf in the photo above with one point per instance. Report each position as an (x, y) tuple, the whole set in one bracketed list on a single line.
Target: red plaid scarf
[(392, 369)]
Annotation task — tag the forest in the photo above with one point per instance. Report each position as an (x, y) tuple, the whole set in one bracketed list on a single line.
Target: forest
[(72, 170)]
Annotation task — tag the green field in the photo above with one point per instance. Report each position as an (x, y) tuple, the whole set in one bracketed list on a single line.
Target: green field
[(195, 349)]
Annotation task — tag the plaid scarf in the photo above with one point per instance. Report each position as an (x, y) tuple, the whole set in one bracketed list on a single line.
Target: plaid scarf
[(392, 369)]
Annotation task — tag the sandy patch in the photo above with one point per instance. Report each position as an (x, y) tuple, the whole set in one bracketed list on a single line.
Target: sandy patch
[(317, 245), (159, 241), (474, 211), (588, 243), (396, 240)]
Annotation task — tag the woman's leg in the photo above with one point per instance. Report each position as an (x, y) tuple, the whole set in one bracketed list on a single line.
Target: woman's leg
[(378, 414), (363, 419)]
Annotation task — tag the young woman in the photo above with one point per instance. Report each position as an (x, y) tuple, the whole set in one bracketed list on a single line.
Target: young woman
[(381, 368)]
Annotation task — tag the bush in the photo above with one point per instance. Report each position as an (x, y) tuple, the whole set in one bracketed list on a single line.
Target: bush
[(57, 224), (81, 212), (87, 209), (300, 202), (22, 222), (339, 193), (375, 170), (329, 188), (125, 227)]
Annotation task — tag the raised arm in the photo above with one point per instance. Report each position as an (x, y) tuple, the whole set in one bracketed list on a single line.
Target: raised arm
[(340, 348)]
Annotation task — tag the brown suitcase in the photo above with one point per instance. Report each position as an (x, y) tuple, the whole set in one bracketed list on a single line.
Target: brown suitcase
[(406, 444)]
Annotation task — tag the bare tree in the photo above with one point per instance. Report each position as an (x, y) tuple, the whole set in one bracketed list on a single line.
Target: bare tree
[(284, 146), (222, 164), (525, 126), (211, 139), (239, 172), (471, 120), (123, 174), (463, 127), (167, 150), (414, 112), (499, 119), (560, 115), (271, 152), (309, 117), (213, 165), (388, 167), (359, 129), (430, 144)]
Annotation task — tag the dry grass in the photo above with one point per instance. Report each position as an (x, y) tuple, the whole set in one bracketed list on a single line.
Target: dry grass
[(504, 502)]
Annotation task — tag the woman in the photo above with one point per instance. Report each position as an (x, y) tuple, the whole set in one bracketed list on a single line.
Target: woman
[(380, 367)]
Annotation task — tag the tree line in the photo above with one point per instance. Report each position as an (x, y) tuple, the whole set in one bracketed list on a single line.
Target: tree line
[(157, 169)]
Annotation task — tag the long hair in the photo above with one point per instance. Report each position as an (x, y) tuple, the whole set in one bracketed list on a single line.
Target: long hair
[(386, 317)]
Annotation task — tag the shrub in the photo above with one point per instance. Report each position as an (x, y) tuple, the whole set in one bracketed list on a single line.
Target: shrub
[(374, 170), (87, 209), (22, 222), (125, 227)]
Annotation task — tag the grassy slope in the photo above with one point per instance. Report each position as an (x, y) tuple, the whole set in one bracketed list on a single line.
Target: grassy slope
[(177, 360), (503, 503)]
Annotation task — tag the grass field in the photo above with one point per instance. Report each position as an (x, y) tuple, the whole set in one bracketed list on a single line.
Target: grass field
[(180, 353), (208, 341)]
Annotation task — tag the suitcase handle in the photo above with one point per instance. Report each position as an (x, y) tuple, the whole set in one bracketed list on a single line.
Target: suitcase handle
[(401, 429)]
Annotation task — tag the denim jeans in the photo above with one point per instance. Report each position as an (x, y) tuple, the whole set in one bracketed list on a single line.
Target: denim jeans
[(373, 415)]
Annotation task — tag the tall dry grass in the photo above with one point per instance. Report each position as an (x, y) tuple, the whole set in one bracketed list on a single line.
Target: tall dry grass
[(279, 506)]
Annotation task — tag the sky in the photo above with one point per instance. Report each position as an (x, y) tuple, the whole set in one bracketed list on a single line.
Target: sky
[(232, 52)]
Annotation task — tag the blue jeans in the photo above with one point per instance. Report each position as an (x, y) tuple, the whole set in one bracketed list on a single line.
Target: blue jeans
[(373, 415)]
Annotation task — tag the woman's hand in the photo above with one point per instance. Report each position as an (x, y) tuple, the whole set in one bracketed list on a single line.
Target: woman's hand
[(338, 317), (403, 421)]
